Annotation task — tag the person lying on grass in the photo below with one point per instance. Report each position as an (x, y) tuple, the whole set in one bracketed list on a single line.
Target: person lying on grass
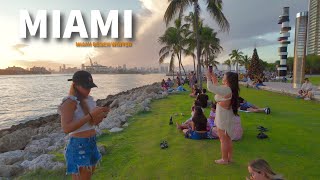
[(198, 126), (246, 106), (187, 124)]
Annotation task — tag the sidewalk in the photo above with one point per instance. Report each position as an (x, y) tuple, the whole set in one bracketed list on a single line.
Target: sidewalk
[(279, 87)]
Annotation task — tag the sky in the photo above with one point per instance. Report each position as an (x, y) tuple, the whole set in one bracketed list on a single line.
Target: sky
[(253, 23)]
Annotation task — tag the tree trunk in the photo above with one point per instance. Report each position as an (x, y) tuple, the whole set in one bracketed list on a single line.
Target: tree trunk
[(237, 68), (194, 65), (180, 63), (196, 12), (184, 70)]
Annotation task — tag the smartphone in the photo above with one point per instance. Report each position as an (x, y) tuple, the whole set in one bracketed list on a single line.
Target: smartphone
[(210, 69)]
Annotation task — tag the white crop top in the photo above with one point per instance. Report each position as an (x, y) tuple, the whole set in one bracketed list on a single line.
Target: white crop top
[(78, 113)]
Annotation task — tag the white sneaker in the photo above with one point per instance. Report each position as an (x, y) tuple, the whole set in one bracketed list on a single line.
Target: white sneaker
[(307, 99)]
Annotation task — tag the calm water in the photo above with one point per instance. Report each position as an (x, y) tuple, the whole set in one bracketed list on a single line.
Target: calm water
[(26, 97)]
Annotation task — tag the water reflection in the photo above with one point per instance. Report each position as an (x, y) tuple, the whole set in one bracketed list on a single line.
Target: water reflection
[(26, 97)]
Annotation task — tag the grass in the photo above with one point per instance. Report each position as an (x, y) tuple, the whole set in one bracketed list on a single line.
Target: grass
[(292, 149), (315, 80)]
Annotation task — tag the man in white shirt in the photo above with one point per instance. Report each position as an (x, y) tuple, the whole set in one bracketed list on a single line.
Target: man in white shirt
[(305, 88)]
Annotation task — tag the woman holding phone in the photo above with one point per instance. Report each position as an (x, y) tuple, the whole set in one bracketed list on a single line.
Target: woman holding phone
[(226, 96), (79, 115)]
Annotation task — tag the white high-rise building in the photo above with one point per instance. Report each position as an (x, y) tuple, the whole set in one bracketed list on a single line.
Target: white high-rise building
[(314, 28)]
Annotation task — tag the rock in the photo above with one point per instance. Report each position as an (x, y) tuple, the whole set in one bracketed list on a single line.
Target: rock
[(125, 125), (110, 123), (102, 149), (45, 130), (44, 161), (38, 146), (10, 170), (116, 129), (16, 140), (11, 157)]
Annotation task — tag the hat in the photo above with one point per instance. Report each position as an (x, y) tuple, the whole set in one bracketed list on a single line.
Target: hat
[(83, 78)]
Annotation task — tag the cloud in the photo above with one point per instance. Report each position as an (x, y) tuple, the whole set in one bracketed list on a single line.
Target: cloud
[(149, 24), (18, 48)]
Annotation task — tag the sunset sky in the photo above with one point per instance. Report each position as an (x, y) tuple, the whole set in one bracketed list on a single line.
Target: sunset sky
[(253, 22)]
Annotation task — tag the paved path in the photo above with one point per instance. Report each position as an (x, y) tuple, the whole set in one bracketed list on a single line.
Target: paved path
[(279, 87)]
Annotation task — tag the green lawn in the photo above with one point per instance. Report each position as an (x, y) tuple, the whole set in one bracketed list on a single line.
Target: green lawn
[(315, 80), (292, 149)]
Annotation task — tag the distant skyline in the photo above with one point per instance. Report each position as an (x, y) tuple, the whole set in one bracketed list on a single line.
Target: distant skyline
[(253, 23)]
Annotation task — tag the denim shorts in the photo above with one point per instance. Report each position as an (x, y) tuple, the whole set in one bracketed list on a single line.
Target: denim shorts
[(195, 135), (81, 152)]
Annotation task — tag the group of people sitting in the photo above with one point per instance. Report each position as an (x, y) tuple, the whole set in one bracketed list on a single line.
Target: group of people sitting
[(198, 126), (168, 85), (307, 91)]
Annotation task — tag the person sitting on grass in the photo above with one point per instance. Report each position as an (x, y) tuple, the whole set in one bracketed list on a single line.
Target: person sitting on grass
[(305, 88), (259, 169), (195, 91), (212, 116), (198, 126), (170, 83), (246, 106), (187, 123), (203, 98), (258, 83), (180, 88), (311, 94), (164, 85)]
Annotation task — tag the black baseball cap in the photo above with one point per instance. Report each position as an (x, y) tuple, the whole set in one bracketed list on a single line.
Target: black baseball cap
[(84, 79)]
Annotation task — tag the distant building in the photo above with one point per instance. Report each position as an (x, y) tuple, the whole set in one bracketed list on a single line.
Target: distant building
[(39, 70), (314, 28), (164, 68), (16, 70)]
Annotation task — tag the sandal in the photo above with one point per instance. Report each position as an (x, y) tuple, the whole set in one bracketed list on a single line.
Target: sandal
[(221, 161)]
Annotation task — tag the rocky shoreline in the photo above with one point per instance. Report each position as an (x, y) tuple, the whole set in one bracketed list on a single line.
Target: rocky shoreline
[(27, 146)]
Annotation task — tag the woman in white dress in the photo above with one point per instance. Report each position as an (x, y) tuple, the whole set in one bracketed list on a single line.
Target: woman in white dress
[(226, 96)]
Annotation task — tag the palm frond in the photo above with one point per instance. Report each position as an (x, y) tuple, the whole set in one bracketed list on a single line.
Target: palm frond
[(214, 7)]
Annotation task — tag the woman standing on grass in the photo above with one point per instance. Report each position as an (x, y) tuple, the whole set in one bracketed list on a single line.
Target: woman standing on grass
[(226, 97), (79, 115)]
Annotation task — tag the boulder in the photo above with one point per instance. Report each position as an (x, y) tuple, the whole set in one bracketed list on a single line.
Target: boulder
[(116, 129), (10, 170), (44, 161), (16, 140), (38, 146), (11, 157)]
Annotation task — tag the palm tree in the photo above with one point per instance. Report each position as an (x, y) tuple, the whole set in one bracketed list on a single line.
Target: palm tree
[(236, 56), (174, 40), (215, 9), (246, 60), (227, 63), (209, 45), (213, 62)]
